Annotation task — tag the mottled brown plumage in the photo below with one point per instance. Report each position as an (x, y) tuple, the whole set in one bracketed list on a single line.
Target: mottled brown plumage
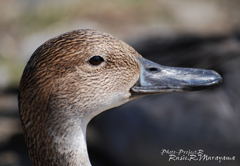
[(59, 87)]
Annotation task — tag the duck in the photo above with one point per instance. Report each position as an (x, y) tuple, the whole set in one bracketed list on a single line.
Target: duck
[(77, 75)]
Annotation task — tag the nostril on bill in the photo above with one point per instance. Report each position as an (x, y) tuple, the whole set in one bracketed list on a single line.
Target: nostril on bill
[(153, 69)]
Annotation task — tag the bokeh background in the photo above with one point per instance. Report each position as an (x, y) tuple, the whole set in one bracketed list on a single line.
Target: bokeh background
[(184, 33)]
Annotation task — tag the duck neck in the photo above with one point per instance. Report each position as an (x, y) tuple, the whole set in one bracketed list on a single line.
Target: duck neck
[(68, 140), (56, 137)]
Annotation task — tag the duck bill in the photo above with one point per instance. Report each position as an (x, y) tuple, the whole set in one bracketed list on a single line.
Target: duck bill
[(155, 78)]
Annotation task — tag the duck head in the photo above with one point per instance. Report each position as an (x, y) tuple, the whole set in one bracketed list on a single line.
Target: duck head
[(75, 76)]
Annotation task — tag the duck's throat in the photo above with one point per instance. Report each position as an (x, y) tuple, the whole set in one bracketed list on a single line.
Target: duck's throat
[(68, 143)]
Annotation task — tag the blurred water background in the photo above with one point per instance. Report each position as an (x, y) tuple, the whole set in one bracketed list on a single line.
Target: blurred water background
[(184, 33)]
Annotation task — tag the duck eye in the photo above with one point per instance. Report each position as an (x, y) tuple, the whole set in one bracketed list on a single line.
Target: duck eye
[(96, 60)]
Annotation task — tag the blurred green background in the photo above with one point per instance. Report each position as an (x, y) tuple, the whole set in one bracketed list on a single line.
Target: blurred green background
[(26, 24)]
